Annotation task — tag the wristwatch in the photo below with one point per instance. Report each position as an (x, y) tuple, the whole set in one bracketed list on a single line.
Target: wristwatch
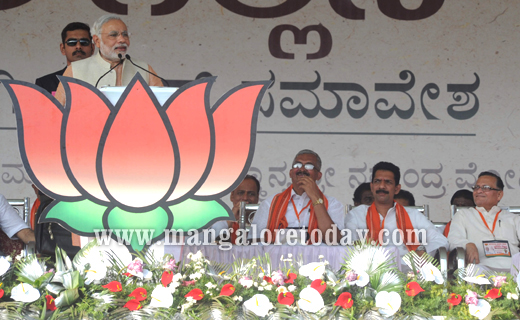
[(317, 202), (421, 248)]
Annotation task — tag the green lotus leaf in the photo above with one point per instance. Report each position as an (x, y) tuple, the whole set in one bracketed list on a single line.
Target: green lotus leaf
[(135, 228), (194, 214), (81, 216)]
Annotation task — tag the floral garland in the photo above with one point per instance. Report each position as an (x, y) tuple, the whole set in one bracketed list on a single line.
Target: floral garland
[(111, 284)]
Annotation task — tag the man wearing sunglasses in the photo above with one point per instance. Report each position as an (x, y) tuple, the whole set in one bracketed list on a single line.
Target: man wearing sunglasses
[(302, 206), (76, 44), (489, 233), (109, 66)]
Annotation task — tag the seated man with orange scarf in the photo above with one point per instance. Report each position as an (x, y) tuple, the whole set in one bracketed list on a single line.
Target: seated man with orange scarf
[(388, 222), (302, 206)]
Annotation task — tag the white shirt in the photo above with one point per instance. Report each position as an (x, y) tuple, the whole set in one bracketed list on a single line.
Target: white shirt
[(336, 212), (467, 226), (356, 219), (10, 221)]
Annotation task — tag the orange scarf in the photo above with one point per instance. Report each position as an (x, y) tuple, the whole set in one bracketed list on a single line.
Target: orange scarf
[(278, 209), (403, 223)]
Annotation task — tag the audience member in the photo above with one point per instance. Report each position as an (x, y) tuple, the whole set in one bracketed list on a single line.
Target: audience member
[(248, 190), (489, 234), (301, 206), (111, 36), (405, 198), (461, 198), (12, 224), (385, 217), (363, 195), (76, 44)]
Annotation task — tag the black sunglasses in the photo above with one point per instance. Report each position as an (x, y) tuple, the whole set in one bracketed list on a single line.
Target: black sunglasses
[(73, 42)]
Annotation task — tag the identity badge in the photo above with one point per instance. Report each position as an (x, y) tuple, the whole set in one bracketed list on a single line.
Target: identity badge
[(496, 248)]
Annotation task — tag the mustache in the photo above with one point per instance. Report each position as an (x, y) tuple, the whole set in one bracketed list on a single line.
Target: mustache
[(299, 173), (78, 52), (382, 191)]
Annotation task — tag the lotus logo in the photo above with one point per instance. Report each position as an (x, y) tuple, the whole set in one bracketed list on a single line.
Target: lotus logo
[(136, 164)]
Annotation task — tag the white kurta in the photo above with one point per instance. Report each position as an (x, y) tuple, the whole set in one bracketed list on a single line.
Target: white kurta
[(467, 226)]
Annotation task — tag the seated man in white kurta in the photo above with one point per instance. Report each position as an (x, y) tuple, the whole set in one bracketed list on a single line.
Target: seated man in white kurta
[(388, 222), (489, 234), (301, 206), (111, 36)]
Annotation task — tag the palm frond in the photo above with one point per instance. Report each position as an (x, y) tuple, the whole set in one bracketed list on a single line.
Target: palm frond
[(416, 262), (81, 258), (30, 269)]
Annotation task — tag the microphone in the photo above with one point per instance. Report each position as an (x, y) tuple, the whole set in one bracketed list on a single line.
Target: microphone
[(128, 58), (120, 56)]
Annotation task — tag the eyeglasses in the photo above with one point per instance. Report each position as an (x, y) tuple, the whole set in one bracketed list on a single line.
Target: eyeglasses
[(116, 34), (484, 188), (299, 165), (73, 42)]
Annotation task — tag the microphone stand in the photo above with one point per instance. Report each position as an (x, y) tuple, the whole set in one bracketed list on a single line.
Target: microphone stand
[(128, 58)]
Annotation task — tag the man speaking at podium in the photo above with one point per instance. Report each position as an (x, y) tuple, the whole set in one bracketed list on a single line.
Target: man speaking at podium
[(111, 66)]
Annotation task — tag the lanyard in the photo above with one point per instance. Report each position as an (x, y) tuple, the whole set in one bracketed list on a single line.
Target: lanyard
[(494, 223), (296, 211)]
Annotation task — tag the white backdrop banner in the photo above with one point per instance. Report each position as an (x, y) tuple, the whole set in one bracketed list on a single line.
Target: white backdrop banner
[(430, 85)]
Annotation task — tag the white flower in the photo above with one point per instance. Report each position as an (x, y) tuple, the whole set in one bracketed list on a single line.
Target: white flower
[(259, 304), (195, 276), (237, 298), (480, 279), (260, 288), (289, 255), (269, 287), (210, 285), (291, 288), (361, 279), (255, 284), (4, 265), (431, 273), (281, 289), (313, 270), (481, 309), (310, 300), (96, 272), (388, 303), (246, 282), (321, 256), (161, 297), (513, 296), (24, 292)]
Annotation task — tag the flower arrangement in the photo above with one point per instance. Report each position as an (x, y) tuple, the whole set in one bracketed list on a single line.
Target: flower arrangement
[(104, 283)]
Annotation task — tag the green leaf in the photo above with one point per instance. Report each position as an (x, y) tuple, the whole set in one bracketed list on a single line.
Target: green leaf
[(194, 214), (67, 297), (82, 216), (124, 224)]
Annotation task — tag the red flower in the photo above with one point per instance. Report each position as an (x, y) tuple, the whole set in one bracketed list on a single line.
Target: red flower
[(268, 279), (1, 293), (494, 293), (90, 152), (290, 278), (133, 305), (128, 274), (51, 305), (413, 289), (344, 300), (319, 285), (114, 286), (196, 294), (139, 294), (166, 278), (227, 290), (454, 299), (286, 298)]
